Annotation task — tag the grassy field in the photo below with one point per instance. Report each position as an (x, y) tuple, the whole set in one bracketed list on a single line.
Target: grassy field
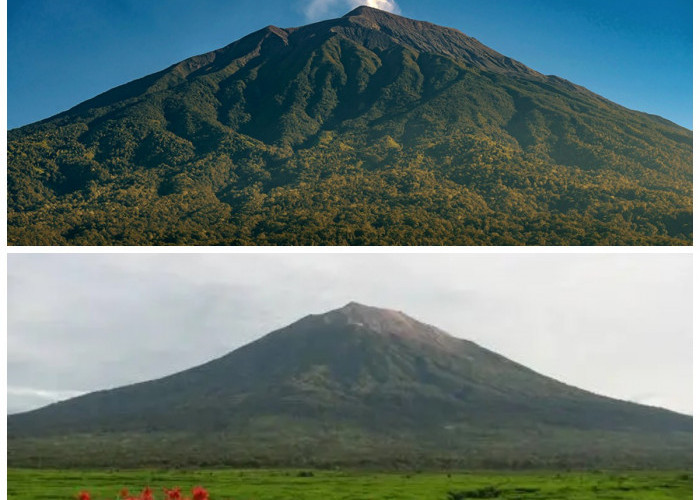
[(24, 484)]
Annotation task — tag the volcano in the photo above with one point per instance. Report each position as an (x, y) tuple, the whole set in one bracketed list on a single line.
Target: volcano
[(355, 386), (370, 129)]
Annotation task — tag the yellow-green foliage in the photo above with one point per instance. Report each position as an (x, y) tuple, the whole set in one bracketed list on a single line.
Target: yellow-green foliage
[(345, 137)]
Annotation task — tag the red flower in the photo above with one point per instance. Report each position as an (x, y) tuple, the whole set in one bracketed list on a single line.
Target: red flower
[(173, 494), (199, 493), (124, 493), (83, 495), (147, 494)]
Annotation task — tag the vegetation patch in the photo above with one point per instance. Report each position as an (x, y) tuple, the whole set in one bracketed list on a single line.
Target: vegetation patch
[(487, 492), (284, 484)]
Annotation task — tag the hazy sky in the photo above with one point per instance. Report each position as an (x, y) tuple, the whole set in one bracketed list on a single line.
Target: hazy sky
[(61, 52), (619, 325)]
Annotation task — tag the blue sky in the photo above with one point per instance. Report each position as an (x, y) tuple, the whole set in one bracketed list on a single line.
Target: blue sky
[(61, 52)]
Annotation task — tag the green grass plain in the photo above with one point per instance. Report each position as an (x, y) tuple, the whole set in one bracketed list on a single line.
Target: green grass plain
[(26, 484)]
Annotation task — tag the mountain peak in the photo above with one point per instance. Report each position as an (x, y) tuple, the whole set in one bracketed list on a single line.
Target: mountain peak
[(354, 306), (355, 310), (253, 121), (387, 322), (366, 11)]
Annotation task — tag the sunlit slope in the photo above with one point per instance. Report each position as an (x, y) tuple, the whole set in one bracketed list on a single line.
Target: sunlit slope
[(368, 129)]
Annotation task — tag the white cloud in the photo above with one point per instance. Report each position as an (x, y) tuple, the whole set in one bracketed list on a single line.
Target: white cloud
[(319, 9), (43, 394), (387, 5), (28, 398)]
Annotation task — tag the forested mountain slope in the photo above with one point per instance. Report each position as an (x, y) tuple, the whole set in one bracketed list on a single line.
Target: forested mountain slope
[(368, 129), (355, 386)]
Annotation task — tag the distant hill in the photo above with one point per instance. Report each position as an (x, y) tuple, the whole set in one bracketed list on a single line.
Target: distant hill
[(357, 386), (368, 129)]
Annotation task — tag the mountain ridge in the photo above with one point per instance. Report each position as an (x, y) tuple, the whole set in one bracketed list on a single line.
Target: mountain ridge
[(364, 12), (193, 63)]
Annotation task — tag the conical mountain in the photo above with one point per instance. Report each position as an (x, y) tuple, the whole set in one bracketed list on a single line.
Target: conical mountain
[(367, 129), (352, 386)]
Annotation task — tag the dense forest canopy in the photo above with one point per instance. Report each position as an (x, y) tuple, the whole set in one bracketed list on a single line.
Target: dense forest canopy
[(371, 129)]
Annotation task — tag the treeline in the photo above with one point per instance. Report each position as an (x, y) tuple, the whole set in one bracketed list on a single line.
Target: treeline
[(498, 451)]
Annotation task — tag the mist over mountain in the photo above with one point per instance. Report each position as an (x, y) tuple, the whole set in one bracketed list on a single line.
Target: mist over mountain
[(355, 386), (367, 129)]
